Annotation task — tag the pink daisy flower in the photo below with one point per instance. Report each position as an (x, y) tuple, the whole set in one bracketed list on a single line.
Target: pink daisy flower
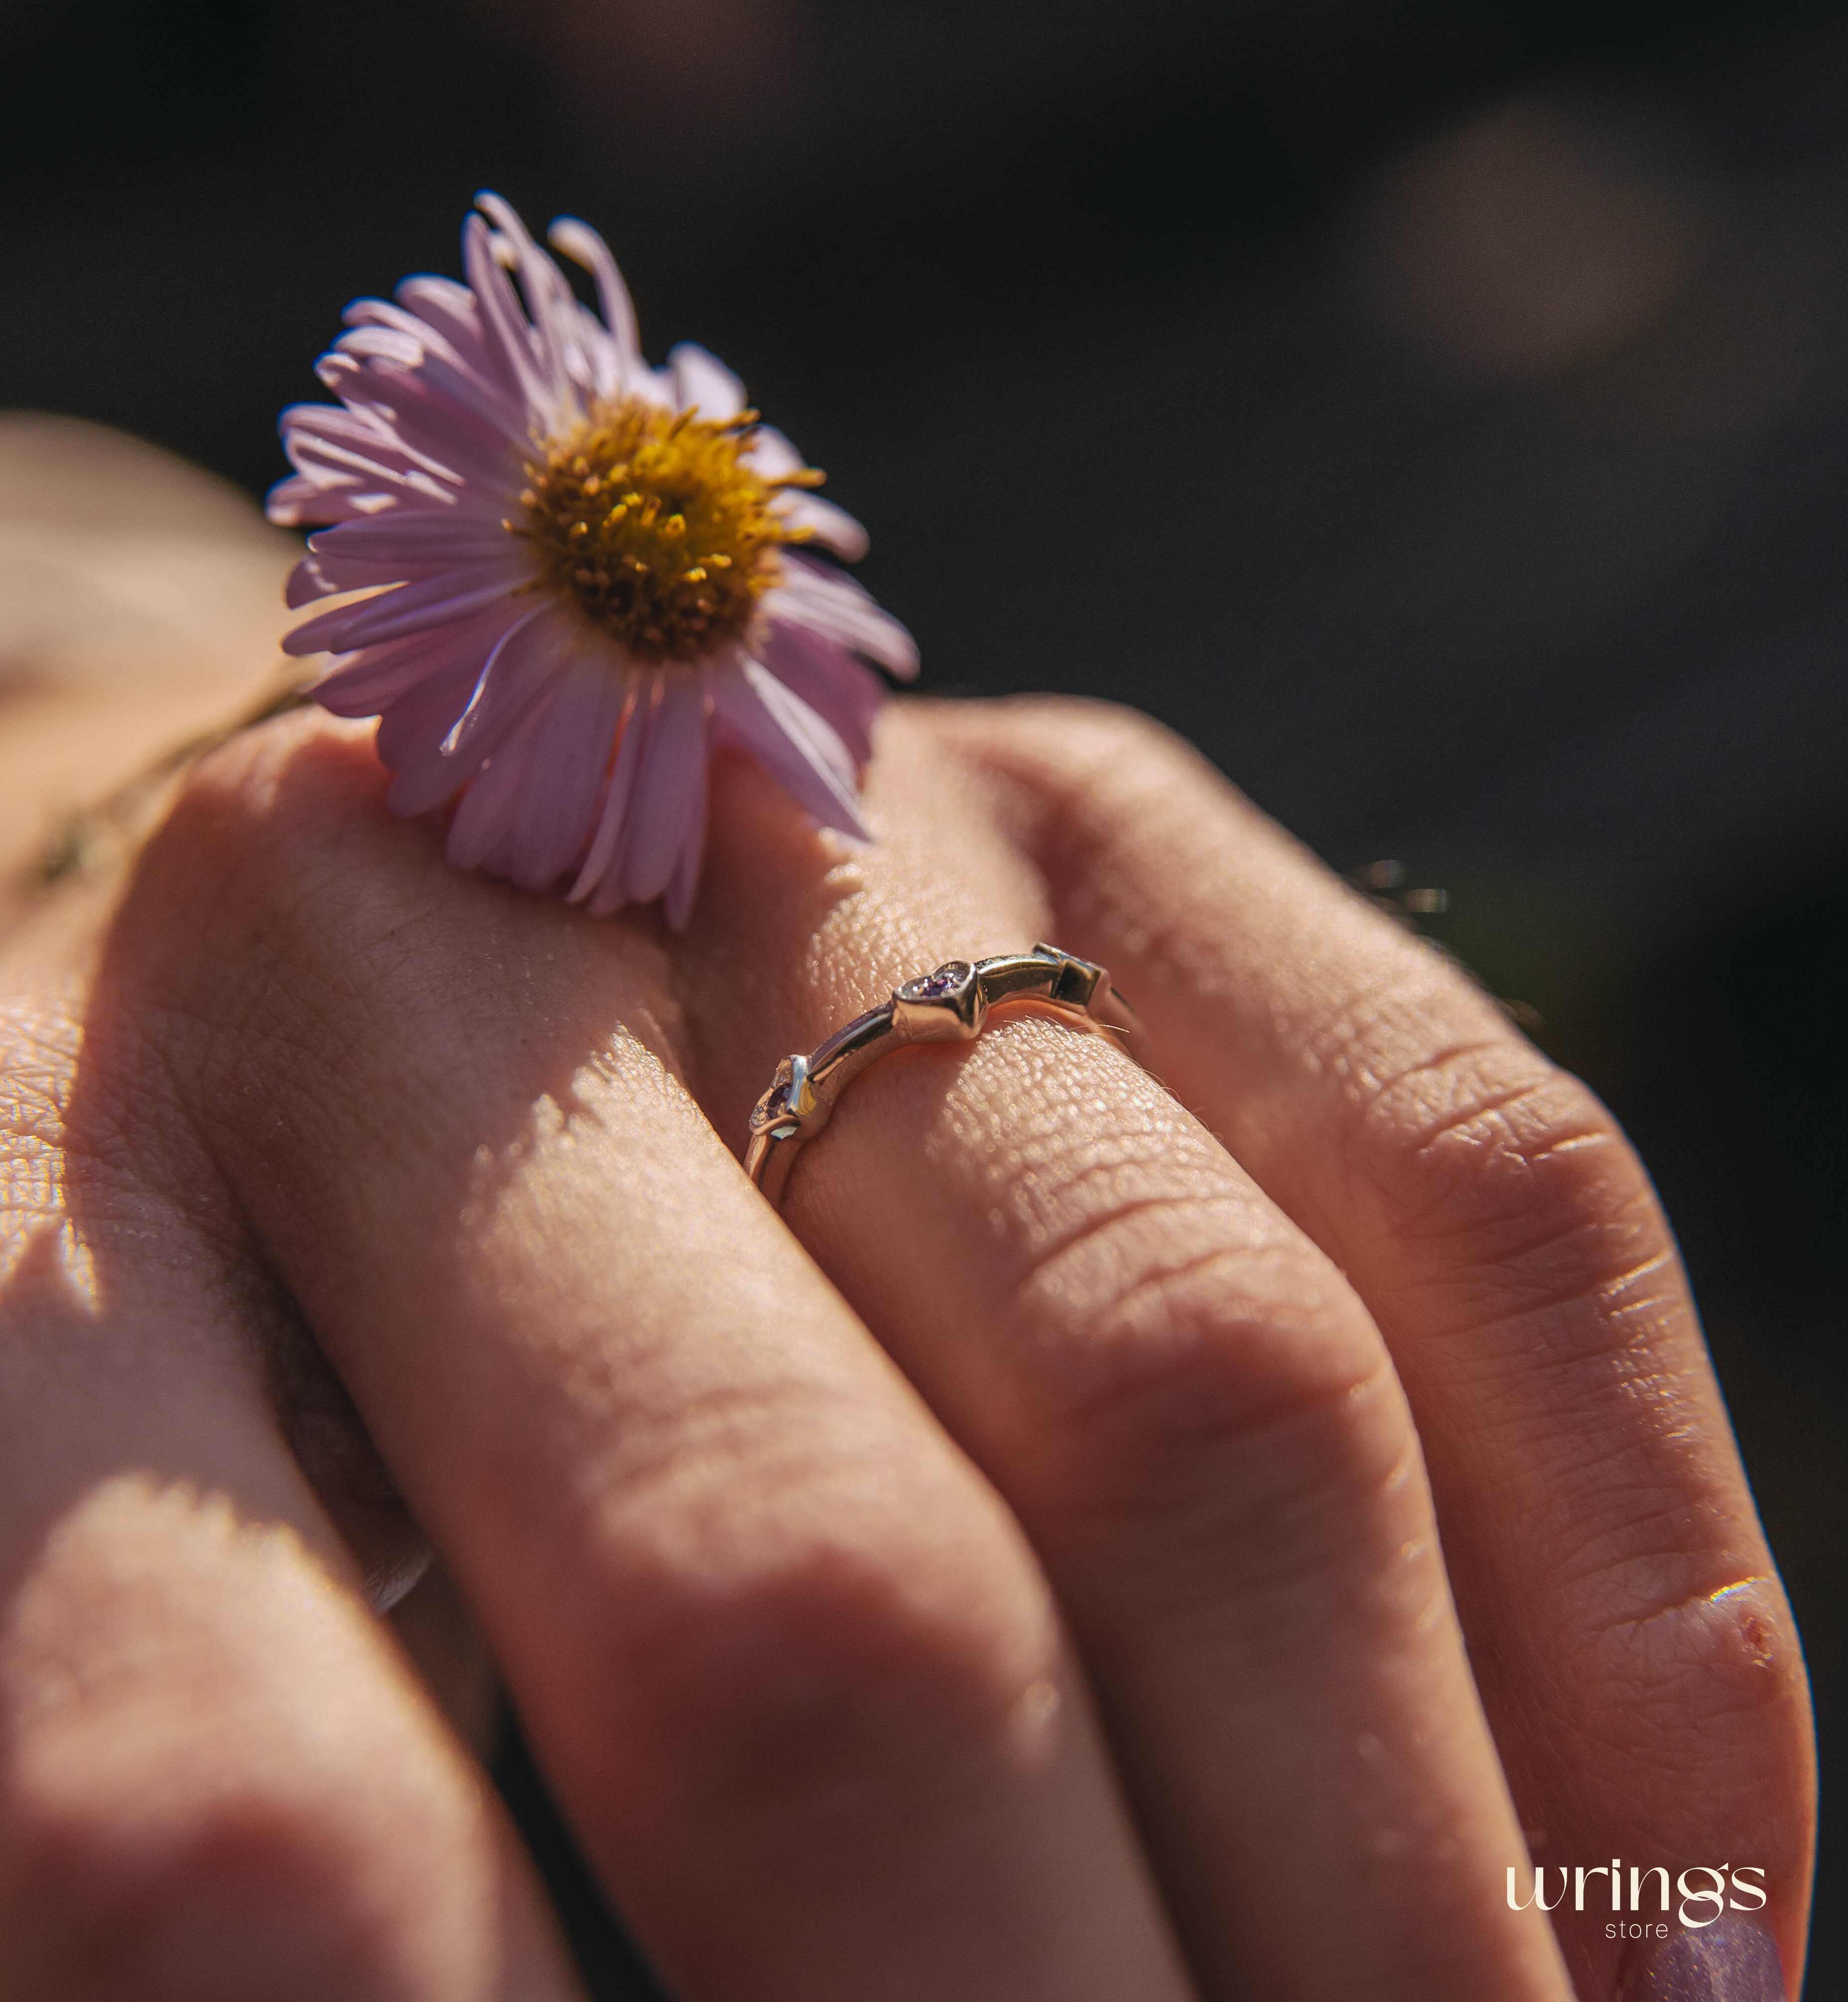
[(581, 574)]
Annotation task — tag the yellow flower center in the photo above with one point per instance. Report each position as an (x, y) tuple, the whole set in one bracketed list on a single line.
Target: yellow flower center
[(655, 526)]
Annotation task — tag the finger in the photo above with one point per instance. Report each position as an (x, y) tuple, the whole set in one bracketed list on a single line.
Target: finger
[(218, 1779), (104, 675), (801, 1688), (1187, 1407), (1635, 1650)]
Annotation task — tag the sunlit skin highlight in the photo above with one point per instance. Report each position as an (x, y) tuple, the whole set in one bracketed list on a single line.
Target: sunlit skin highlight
[(656, 526), (39, 1238)]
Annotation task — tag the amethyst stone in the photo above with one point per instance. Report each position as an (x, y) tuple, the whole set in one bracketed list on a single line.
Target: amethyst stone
[(934, 986)]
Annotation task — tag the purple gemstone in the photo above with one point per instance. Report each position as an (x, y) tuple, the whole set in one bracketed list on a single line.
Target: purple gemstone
[(934, 986), (774, 1110)]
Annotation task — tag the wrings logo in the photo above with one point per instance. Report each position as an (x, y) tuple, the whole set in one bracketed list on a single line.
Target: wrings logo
[(1697, 1896)]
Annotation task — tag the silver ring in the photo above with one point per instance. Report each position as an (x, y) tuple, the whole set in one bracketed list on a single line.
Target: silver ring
[(951, 1005)]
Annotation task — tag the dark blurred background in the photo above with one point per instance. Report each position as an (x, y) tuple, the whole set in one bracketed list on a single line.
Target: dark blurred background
[(1439, 412)]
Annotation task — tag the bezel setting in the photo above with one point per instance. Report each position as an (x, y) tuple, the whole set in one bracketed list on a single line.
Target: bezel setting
[(946, 1006)]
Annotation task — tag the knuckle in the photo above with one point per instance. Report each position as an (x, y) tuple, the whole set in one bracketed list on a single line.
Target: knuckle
[(1098, 794), (268, 938), (845, 1631), (1085, 728), (1092, 761), (112, 1879), (1676, 1658), (181, 1811), (1232, 1392), (298, 773), (1101, 762), (264, 849), (285, 920), (1697, 1700), (205, 967), (1503, 1165)]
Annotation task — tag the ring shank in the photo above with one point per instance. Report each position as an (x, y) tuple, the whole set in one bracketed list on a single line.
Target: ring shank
[(951, 1005)]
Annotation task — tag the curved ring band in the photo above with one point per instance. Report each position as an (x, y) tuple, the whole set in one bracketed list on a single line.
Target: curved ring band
[(950, 1005)]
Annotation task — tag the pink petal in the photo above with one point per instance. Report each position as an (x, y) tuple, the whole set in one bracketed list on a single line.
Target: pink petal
[(458, 362), (583, 246), (372, 680), (330, 466), (348, 574), (566, 753), (505, 327), (654, 831), (753, 710), (596, 361), (307, 582), (424, 534), (389, 344), (532, 651), (463, 366), (676, 899), (432, 411), (297, 501), (832, 527), (520, 668), (549, 304), (409, 607), (703, 382), (835, 605), (361, 431), (603, 860), (480, 826), (771, 453), (450, 310), (381, 464), (423, 713), (837, 687)]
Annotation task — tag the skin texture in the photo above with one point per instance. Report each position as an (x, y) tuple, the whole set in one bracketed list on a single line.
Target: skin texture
[(1107, 1537)]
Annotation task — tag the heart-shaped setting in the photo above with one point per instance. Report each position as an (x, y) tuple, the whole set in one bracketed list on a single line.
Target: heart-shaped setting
[(936, 986), (943, 1006)]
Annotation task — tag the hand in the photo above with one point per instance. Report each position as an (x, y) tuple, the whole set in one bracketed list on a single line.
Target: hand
[(1013, 1571)]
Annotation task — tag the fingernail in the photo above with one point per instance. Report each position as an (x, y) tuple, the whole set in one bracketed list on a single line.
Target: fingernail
[(1732, 1960)]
